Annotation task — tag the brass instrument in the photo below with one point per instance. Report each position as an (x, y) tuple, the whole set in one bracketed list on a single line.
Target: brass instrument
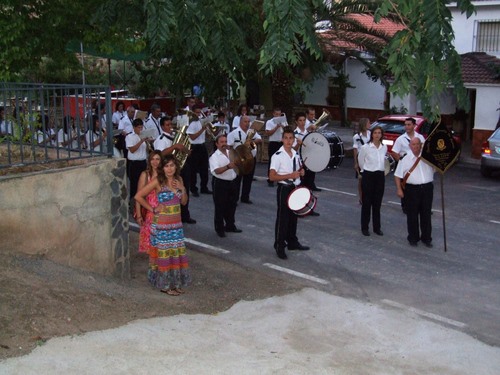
[(182, 138), (321, 118), (211, 129)]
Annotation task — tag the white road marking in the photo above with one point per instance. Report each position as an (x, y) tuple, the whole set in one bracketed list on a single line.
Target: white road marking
[(429, 315), (392, 202), (494, 189), (337, 191), (214, 248), (295, 273), (494, 222)]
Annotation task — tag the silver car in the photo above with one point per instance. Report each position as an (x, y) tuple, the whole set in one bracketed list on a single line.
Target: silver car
[(490, 154)]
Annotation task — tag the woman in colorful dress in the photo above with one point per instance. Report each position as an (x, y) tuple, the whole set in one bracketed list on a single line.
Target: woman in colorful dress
[(141, 215), (168, 264)]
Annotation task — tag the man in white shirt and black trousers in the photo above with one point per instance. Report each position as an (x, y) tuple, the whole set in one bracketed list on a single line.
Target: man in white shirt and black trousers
[(286, 170), (137, 155), (224, 188), (153, 120), (418, 193), (273, 131)]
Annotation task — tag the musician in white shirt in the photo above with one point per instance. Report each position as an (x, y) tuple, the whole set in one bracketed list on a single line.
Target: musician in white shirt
[(222, 127), (237, 138), (137, 155), (371, 161), (310, 119), (274, 131), (418, 194), (198, 160), (118, 114), (242, 111), (286, 171), (224, 188), (153, 120), (401, 146), (359, 139)]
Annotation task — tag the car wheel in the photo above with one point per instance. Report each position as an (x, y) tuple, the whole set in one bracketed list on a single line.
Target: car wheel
[(485, 171)]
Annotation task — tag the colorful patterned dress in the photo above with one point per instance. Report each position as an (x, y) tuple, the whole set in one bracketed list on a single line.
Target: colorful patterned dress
[(145, 233), (168, 263)]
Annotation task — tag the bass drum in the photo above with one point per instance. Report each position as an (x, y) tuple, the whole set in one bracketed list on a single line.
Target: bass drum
[(315, 152), (336, 149), (301, 201)]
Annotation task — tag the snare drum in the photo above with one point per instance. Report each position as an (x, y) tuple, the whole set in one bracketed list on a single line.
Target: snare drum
[(336, 148), (315, 151), (301, 201)]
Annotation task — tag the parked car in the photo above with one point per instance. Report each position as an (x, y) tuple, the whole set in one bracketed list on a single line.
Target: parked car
[(490, 154), (394, 126)]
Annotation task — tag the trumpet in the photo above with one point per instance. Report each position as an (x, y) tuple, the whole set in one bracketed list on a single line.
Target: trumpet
[(321, 118)]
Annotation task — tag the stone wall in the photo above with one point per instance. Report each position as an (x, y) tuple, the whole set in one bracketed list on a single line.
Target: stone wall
[(76, 216)]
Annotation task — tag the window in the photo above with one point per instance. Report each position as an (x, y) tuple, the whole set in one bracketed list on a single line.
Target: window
[(488, 36)]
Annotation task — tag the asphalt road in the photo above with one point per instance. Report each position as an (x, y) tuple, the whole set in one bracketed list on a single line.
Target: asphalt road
[(458, 288)]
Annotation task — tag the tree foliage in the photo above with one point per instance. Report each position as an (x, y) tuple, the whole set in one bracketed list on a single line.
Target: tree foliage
[(204, 41)]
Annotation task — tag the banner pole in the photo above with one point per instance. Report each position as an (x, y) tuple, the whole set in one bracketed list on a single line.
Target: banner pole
[(442, 207)]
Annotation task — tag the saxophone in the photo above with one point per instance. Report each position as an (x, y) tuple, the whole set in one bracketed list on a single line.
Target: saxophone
[(182, 138)]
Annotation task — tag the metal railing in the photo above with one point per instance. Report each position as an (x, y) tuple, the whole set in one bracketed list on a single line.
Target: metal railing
[(43, 123)]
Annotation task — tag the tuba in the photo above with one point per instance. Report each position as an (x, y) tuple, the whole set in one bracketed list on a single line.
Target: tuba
[(321, 118), (182, 138)]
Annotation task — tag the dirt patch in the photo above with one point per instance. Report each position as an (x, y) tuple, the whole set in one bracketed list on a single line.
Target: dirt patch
[(40, 299)]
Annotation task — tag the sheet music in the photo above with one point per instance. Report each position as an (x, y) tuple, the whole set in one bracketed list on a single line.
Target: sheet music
[(148, 133), (280, 120)]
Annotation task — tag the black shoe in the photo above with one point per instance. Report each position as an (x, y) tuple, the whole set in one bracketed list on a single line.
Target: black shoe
[(221, 233), (247, 201), (313, 213), (365, 232), (316, 189), (189, 221), (428, 244), (379, 232), (234, 230), (280, 252), (413, 244), (298, 247), (206, 191), (195, 194)]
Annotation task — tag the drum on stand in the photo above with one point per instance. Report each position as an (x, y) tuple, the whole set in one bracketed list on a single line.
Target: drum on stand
[(389, 164), (301, 201), (315, 152), (336, 148)]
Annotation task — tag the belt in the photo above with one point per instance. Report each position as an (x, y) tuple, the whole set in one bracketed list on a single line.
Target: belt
[(419, 185)]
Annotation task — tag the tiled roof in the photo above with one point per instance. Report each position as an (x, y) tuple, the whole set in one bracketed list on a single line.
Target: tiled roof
[(479, 67), (344, 38)]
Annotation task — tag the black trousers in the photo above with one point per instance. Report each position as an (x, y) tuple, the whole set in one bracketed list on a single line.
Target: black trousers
[(272, 147), (198, 162), (372, 186), (285, 230), (134, 170), (186, 178), (246, 182), (418, 204), (225, 197)]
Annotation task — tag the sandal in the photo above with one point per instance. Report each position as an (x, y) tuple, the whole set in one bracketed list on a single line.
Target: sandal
[(180, 291), (170, 292)]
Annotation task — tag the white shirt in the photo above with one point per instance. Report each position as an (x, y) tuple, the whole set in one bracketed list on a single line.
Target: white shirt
[(371, 158), (402, 144), (283, 164), (194, 128), (236, 122), (90, 138), (163, 141), (238, 137), (276, 136), (224, 127), (141, 153), (126, 125), (5, 127), (358, 137), (308, 123), (63, 137), (217, 160), (153, 123), (299, 134), (117, 116), (422, 174)]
